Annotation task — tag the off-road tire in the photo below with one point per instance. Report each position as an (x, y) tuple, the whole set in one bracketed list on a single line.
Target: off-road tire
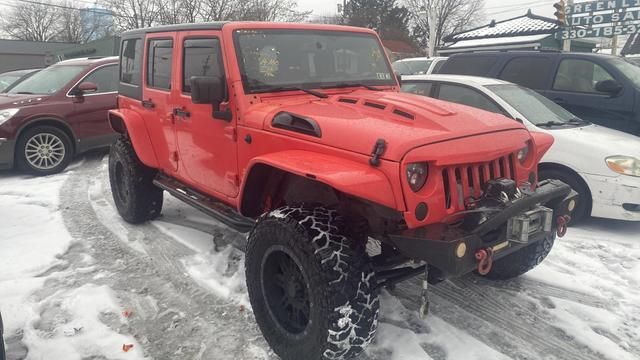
[(340, 282), (26, 137), (583, 205), (136, 197), (521, 261)]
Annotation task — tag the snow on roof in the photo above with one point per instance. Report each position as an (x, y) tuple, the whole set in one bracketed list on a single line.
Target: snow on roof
[(497, 41), (528, 24)]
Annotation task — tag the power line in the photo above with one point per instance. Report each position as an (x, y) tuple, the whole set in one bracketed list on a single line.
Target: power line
[(516, 5)]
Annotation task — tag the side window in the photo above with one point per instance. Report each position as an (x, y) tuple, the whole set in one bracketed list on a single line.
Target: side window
[(130, 61), (531, 72), (159, 61), (579, 76), (105, 77), (202, 57), (419, 88), (469, 65), (466, 96)]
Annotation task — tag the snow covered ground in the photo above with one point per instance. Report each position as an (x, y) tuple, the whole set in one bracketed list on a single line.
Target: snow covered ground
[(76, 282)]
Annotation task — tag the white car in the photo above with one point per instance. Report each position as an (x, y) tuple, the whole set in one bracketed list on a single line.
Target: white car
[(601, 164), (418, 65)]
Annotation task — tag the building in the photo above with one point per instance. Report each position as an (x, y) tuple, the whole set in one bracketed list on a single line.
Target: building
[(527, 32), (108, 46), (21, 54)]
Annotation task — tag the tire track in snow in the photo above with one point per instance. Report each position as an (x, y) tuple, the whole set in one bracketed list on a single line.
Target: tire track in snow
[(181, 320)]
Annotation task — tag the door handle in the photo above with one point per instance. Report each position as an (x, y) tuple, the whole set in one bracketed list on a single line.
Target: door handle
[(148, 104), (181, 112)]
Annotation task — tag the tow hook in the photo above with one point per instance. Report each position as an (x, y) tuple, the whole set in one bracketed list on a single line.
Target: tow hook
[(563, 222), (485, 260)]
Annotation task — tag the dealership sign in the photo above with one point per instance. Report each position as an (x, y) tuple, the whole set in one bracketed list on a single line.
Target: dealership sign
[(605, 18)]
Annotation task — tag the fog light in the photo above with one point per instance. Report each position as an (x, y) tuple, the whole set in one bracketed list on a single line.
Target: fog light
[(461, 250), (572, 205), (421, 211)]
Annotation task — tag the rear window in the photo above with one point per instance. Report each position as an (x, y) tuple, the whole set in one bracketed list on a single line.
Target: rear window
[(130, 61), (531, 72), (159, 61), (469, 65)]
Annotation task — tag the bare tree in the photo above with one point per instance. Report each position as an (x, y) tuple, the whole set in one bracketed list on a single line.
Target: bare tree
[(32, 21), (448, 17), (134, 14), (269, 10)]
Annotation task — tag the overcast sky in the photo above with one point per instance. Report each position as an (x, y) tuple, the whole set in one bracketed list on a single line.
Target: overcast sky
[(494, 9)]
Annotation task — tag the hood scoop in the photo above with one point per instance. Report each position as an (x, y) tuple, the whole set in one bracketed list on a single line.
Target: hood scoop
[(296, 123), (380, 106)]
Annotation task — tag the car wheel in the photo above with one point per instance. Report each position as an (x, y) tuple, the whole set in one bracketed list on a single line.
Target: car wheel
[(43, 150), (136, 197), (313, 291), (521, 261), (583, 205)]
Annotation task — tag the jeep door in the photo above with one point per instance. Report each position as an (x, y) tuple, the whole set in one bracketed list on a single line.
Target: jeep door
[(157, 97), (207, 145), (90, 110), (574, 88)]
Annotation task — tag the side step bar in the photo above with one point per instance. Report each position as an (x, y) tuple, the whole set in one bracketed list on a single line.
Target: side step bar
[(219, 211)]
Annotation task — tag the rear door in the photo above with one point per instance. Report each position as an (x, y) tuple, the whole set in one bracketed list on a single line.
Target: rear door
[(573, 88), (534, 72), (207, 145), (90, 110), (157, 99)]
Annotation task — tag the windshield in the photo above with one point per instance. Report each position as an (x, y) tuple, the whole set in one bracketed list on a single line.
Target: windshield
[(275, 60), (48, 81), (535, 107), (411, 67), (630, 70), (7, 79)]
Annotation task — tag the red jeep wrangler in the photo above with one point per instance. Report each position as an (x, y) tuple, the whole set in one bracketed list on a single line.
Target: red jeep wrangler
[(297, 134)]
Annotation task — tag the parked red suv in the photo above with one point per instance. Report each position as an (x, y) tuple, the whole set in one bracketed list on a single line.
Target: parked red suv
[(57, 113), (298, 135)]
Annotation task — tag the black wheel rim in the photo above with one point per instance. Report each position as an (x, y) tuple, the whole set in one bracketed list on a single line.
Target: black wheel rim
[(121, 189), (285, 290)]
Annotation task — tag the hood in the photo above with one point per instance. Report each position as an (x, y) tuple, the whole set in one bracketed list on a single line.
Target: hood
[(355, 121), (597, 140), (20, 100)]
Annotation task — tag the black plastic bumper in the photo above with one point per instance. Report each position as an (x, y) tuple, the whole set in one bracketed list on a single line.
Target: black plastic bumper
[(437, 244)]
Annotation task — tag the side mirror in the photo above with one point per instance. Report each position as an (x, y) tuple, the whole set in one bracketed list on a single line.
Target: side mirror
[(611, 87), (207, 90), (86, 87)]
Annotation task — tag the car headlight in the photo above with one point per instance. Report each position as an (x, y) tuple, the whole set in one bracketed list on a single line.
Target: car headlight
[(7, 114), (625, 165), (525, 152), (417, 174)]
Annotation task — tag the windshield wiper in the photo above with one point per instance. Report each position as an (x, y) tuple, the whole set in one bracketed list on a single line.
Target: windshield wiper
[(578, 121), (319, 94), (25, 92), (552, 123), (264, 87), (346, 85)]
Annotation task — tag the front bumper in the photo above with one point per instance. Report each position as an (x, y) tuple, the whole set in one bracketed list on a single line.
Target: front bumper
[(440, 244), (6, 153), (614, 197)]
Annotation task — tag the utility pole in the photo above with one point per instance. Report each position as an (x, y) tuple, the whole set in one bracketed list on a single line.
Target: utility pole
[(431, 52)]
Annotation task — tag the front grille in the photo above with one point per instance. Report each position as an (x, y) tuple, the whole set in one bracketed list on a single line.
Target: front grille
[(464, 181)]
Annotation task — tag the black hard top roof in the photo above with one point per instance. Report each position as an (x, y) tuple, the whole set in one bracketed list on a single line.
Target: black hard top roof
[(177, 27), (514, 53)]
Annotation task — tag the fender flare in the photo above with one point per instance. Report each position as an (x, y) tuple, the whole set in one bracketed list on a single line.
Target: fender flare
[(131, 124), (347, 176)]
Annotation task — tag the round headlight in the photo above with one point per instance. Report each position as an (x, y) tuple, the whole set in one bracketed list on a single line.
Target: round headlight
[(417, 174), (525, 152)]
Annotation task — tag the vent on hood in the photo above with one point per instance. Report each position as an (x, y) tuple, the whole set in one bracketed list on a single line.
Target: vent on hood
[(403, 114), (348, 100), (375, 105), (296, 123)]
